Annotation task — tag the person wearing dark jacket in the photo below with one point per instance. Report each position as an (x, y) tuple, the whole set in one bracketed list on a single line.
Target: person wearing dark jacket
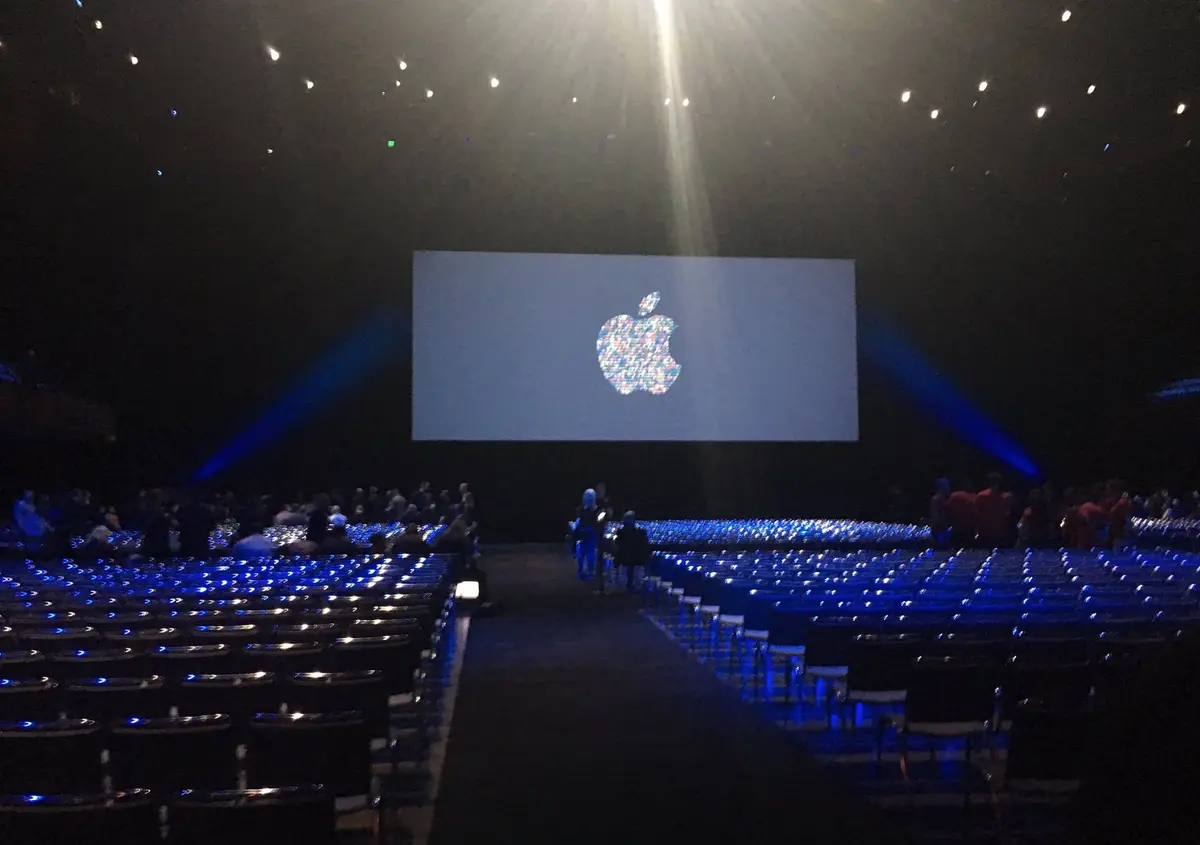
[(337, 542), (632, 547), (318, 520)]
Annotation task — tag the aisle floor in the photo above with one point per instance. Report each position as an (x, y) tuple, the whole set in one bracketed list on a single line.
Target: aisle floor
[(578, 722)]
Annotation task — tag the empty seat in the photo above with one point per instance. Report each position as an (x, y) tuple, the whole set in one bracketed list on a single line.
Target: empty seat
[(53, 640), (396, 655), (364, 690), (97, 663), (292, 815), (310, 632), (169, 754), (240, 695), (50, 757), (174, 662), (28, 698), (282, 659), (233, 635), (128, 818), (108, 699), (143, 639), (332, 749)]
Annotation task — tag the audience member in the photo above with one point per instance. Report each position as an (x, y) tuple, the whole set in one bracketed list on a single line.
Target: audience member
[(30, 524), (993, 514), (379, 543), (410, 542), (1035, 528), (960, 511), (252, 543), (632, 547), (939, 517), (337, 542), (196, 522), (318, 520), (587, 528), (337, 519)]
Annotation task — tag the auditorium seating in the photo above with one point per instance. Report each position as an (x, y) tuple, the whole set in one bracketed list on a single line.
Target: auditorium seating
[(224, 691), (981, 654)]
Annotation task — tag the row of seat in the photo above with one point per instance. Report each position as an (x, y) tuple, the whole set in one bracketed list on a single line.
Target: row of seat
[(192, 675)]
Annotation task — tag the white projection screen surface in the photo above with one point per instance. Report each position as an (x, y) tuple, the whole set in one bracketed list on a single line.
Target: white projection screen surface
[(548, 347)]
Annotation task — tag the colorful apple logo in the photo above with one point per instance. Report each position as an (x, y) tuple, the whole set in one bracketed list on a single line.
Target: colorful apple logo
[(636, 354)]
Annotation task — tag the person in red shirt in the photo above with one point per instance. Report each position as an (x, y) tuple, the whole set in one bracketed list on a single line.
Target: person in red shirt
[(1118, 506), (1093, 519), (993, 513), (960, 513)]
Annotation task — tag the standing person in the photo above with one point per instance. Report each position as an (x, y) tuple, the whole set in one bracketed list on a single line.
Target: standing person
[(1119, 507), (318, 520), (1036, 527), (632, 547), (29, 522), (586, 528), (960, 511), (993, 513), (196, 522)]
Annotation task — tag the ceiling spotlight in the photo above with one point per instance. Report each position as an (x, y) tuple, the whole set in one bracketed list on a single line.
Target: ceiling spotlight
[(904, 98), (574, 99), (1091, 89), (428, 93), (495, 83), (983, 85), (1041, 112), (403, 65), (133, 60), (1066, 15), (933, 115), (98, 25), (308, 83), (667, 101), (273, 53), (686, 101), (1181, 108)]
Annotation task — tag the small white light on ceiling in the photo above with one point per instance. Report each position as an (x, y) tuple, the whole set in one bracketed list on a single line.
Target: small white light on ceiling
[(904, 98), (133, 60), (686, 102), (403, 65), (667, 101), (308, 83), (494, 82), (397, 83), (933, 115), (1091, 89), (428, 93), (574, 99), (270, 151), (98, 25), (983, 85), (1181, 108), (1066, 15), (1041, 112), (273, 53)]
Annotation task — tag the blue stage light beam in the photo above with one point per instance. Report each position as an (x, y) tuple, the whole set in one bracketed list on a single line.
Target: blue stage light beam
[(345, 365), (936, 395)]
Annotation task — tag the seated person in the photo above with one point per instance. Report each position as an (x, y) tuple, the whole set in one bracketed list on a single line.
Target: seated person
[(336, 517), (337, 542), (252, 543), (632, 547), (410, 542), (98, 543), (379, 543)]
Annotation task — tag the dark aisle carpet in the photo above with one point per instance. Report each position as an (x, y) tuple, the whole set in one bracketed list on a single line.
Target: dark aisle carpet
[(578, 722)]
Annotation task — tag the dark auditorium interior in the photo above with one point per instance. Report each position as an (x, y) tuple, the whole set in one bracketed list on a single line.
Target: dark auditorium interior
[(599, 420)]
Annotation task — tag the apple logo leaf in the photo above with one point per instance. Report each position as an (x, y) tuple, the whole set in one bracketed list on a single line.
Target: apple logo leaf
[(648, 304)]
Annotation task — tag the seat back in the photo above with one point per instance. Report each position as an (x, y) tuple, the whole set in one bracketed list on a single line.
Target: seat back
[(72, 744), (294, 815), (950, 690), (170, 754), (24, 699), (129, 818), (332, 749)]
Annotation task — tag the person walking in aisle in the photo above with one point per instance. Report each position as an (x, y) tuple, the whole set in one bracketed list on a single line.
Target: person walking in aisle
[(632, 547), (587, 528)]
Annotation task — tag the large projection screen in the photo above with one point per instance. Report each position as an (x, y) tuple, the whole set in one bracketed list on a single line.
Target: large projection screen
[(548, 347)]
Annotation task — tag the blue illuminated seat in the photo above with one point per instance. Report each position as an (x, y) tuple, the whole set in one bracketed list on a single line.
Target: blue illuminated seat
[(129, 818), (72, 746), (170, 754), (22, 663), (96, 662), (54, 640), (299, 815)]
